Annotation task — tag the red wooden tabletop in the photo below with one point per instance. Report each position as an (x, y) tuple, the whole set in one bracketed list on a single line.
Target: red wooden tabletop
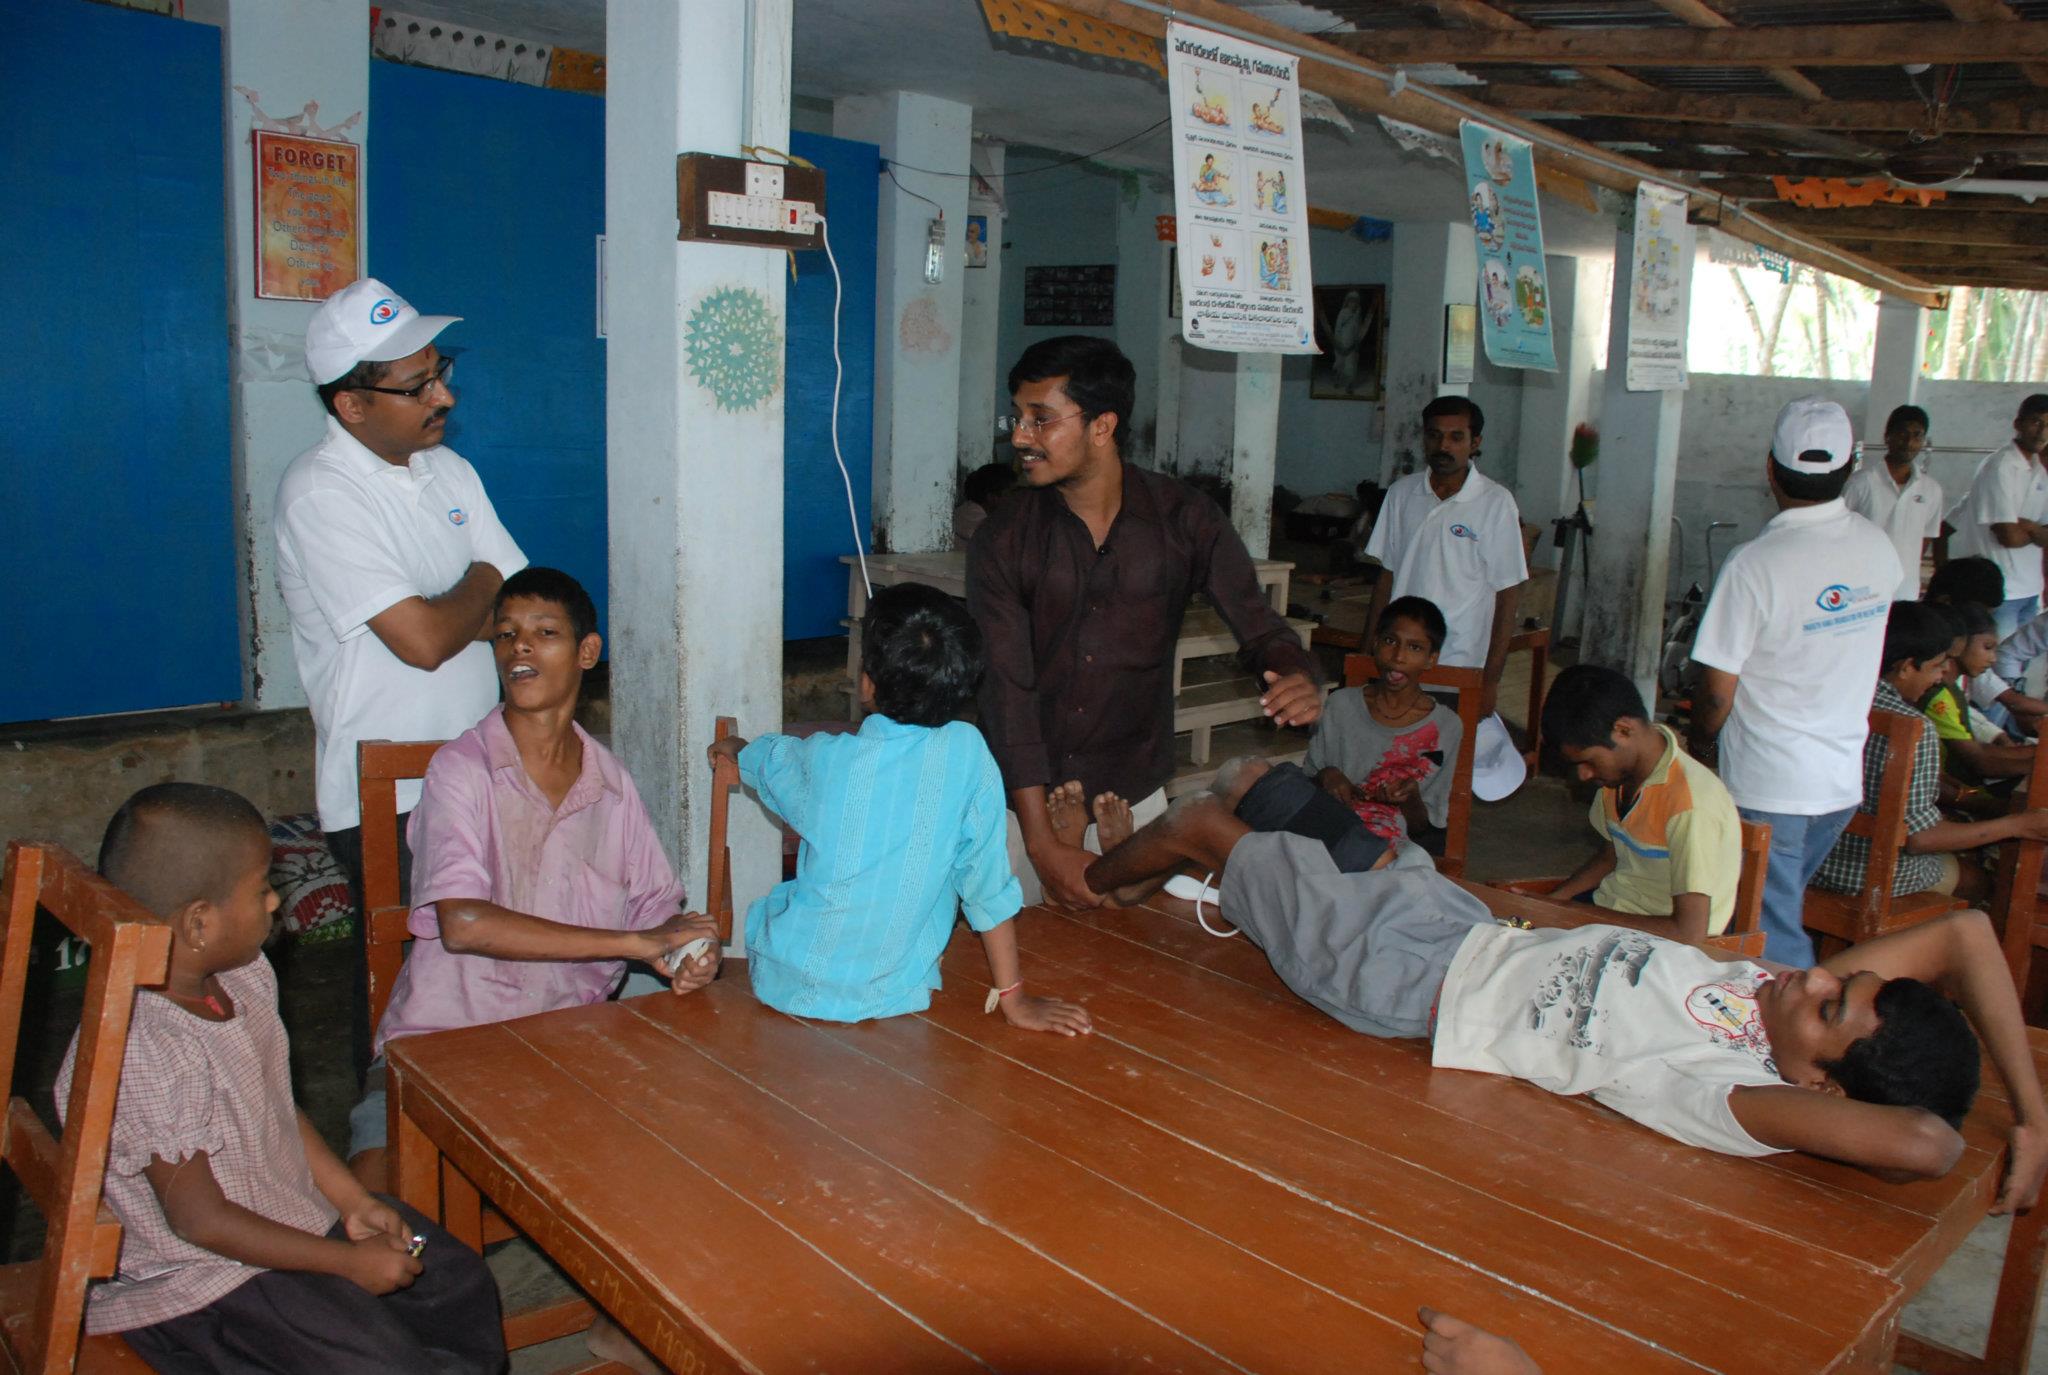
[(1219, 1179)]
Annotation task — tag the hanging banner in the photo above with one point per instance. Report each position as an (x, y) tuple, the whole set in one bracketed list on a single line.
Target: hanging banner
[(1514, 290), (1239, 191), (306, 231), (1660, 291)]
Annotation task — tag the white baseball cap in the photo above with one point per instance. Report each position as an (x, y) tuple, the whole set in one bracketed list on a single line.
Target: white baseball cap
[(366, 321), (1812, 436), (1497, 766)]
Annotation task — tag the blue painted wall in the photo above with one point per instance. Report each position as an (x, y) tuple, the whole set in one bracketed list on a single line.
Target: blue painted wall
[(117, 549), (485, 201), (816, 530)]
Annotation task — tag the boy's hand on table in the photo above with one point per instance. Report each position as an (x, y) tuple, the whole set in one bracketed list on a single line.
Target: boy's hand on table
[(1452, 1346), (2025, 1163), (373, 1217), (672, 935), (1294, 700), (1046, 1014), (728, 748), (381, 1263)]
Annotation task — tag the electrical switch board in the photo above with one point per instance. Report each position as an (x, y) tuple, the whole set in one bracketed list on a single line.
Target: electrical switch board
[(747, 201)]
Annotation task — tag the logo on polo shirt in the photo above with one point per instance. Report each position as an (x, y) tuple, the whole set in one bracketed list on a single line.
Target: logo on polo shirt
[(1464, 532), (384, 312), (1833, 598), (1843, 607), (455, 515)]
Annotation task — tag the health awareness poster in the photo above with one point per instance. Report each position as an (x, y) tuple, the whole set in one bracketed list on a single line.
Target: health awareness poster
[(1514, 292), (1660, 291), (1240, 194)]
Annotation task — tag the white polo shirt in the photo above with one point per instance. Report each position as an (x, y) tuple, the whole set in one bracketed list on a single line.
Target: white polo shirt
[(1798, 614), (1909, 514), (1457, 553), (2009, 486), (356, 536)]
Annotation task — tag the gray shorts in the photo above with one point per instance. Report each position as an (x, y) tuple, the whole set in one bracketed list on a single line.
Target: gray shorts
[(1369, 949), (368, 1127)]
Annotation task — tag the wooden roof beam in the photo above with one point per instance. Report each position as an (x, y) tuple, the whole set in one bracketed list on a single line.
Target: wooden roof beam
[(1902, 224), (1484, 16), (2005, 117), (1996, 12), (1705, 16), (1808, 45)]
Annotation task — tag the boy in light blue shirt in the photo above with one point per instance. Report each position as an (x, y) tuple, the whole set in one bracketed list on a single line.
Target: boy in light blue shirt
[(902, 827)]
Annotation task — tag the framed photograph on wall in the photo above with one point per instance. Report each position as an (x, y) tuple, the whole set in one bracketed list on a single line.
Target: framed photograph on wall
[(1351, 330), (1461, 335)]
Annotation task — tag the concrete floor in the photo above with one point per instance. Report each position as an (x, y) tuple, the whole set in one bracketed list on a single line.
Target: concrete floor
[(1540, 830)]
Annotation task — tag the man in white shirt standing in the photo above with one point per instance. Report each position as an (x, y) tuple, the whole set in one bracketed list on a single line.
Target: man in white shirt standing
[(1452, 535), (1901, 500), (2003, 516), (389, 554), (1788, 655)]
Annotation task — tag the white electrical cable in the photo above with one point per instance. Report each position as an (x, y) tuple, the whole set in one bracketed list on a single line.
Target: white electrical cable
[(838, 377), (1226, 935)]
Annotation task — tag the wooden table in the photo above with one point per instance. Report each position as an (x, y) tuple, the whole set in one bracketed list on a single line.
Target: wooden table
[(1219, 1179)]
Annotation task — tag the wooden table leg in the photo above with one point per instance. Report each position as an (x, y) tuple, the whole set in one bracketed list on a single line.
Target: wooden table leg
[(856, 609), (462, 1207), (2010, 1344), (415, 1160)]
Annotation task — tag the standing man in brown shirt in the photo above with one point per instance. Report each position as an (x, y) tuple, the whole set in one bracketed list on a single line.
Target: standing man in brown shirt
[(1079, 580)]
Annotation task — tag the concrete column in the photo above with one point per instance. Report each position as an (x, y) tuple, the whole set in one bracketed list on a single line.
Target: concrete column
[(917, 324), (286, 53), (1624, 624), (1255, 440), (693, 454), (1553, 403), (1434, 265), (1140, 306), (981, 371), (1894, 364)]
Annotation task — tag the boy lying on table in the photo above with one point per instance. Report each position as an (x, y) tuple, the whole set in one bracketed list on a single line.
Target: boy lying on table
[(1863, 1059)]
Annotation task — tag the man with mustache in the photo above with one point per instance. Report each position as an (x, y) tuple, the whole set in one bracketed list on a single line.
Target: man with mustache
[(1453, 536), (389, 555), (1079, 581)]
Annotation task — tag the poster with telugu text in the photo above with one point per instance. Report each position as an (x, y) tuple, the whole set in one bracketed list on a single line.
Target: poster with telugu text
[(307, 244), (1660, 291), (1514, 287), (1240, 194)]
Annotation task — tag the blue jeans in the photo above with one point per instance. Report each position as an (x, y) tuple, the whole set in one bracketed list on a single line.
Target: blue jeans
[(2011, 615), (1799, 844)]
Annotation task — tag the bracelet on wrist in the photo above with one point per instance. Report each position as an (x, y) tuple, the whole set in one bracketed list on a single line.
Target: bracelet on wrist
[(996, 995)]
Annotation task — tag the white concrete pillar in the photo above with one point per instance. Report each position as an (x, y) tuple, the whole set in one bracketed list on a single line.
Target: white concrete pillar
[(1553, 403), (981, 372), (1255, 440), (693, 453), (1434, 265), (1894, 364), (1624, 623), (285, 53), (1140, 306), (917, 323)]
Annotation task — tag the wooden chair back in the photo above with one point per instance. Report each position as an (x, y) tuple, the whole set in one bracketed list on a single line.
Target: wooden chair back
[(381, 765), (1748, 915), (725, 776), (1470, 686), (2015, 900), (42, 1302), (1537, 645), (1849, 918)]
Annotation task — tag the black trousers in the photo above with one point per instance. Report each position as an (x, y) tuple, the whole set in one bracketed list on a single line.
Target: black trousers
[(347, 849), (294, 1322)]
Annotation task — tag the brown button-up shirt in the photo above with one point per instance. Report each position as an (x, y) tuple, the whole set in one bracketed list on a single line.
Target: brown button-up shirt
[(1080, 638)]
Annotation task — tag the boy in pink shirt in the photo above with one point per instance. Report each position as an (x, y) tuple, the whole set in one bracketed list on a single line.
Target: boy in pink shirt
[(536, 874)]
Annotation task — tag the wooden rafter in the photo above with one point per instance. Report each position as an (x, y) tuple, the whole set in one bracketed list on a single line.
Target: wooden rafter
[(1835, 45), (2016, 117), (1917, 252), (1480, 15), (1705, 16), (1902, 224), (1996, 12)]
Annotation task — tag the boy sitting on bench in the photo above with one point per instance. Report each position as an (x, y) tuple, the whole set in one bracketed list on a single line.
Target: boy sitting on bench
[(1863, 1059)]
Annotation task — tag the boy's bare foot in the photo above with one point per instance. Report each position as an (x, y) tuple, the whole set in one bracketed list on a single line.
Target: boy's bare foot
[(1197, 828), (1113, 824), (1067, 812), (607, 1341)]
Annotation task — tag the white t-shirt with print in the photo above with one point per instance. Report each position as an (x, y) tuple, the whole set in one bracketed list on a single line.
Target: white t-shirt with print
[(1658, 1031), (1910, 514), (1798, 615), (2009, 486), (1457, 553), (356, 536)]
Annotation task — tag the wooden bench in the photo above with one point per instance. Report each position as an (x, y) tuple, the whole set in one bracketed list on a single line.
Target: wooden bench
[(42, 1302)]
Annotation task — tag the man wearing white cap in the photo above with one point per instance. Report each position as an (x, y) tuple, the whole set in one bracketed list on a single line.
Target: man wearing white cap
[(389, 554), (1788, 656)]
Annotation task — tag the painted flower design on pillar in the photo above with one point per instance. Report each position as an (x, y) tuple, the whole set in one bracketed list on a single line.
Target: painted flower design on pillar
[(734, 348)]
